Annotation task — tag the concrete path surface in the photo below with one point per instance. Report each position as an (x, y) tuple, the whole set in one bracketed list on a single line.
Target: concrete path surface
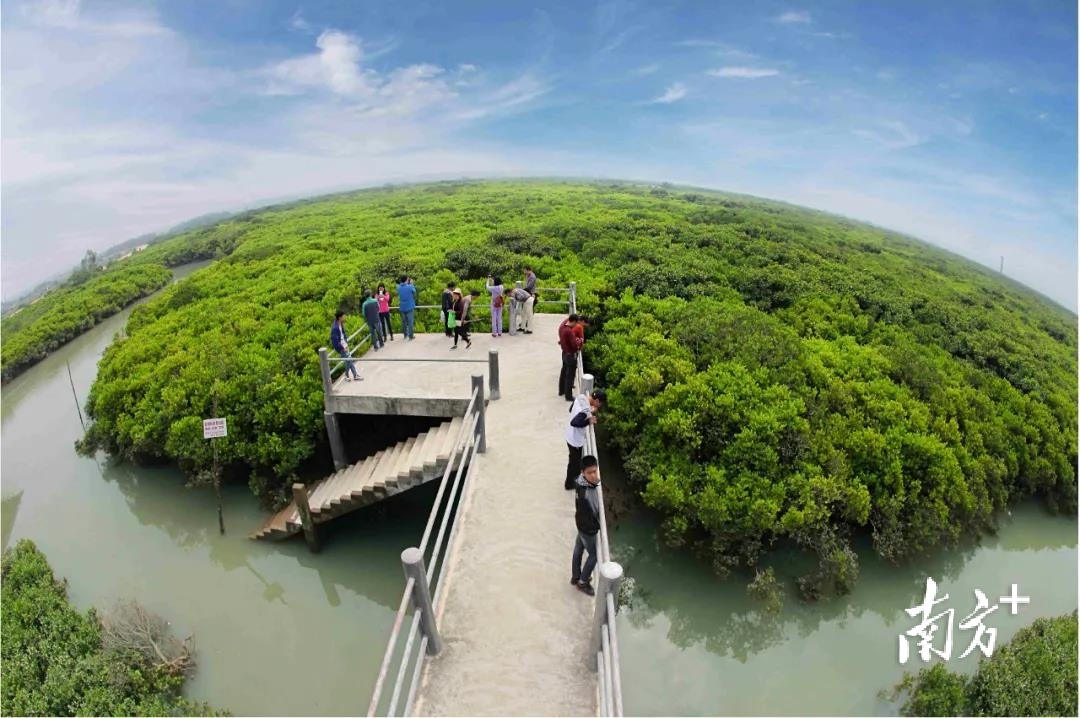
[(515, 631)]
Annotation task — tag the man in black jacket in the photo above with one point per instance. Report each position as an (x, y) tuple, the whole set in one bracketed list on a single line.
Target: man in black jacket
[(587, 518), (447, 305)]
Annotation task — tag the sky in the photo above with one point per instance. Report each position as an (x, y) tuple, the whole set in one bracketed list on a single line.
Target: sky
[(955, 122)]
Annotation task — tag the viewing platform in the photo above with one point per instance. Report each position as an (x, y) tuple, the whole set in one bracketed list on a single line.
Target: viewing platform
[(488, 622)]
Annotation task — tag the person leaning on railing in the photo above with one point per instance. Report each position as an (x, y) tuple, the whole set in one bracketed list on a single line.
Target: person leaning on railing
[(587, 520), (339, 340), (582, 415)]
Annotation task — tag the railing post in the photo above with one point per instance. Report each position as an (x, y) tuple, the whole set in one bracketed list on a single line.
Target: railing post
[(327, 380), (573, 298), (412, 560), (611, 575), (493, 373), (481, 429), (586, 383), (300, 498)]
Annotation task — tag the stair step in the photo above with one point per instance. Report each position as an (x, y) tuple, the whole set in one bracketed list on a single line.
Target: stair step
[(413, 463), (431, 449), (401, 465), (451, 436), (341, 487), (357, 488)]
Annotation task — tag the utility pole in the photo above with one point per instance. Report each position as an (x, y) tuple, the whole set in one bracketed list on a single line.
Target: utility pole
[(1002, 268)]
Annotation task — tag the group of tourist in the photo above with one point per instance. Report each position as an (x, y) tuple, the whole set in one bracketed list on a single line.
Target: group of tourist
[(456, 314), (375, 308), (582, 472)]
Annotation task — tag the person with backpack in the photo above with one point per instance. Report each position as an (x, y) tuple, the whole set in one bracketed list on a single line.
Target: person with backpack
[(582, 415), (407, 306), (518, 297), (370, 309), (495, 286), (447, 305), (339, 340), (385, 300), (587, 520)]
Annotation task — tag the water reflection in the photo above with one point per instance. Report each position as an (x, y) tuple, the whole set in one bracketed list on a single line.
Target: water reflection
[(702, 608), (360, 554)]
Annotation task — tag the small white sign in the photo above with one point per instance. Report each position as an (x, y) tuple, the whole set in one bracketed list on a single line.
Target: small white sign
[(214, 428)]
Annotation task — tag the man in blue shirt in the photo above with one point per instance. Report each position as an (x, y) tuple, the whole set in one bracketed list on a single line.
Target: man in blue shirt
[(407, 306)]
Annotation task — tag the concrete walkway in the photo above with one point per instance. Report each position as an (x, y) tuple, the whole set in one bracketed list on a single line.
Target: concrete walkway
[(515, 631)]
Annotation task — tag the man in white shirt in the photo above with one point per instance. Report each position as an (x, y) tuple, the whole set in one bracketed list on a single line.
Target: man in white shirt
[(582, 415)]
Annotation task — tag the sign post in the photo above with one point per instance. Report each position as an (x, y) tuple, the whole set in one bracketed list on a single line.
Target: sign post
[(215, 429)]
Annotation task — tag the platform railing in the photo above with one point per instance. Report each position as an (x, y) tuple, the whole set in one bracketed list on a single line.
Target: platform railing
[(603, 656), (419, 564)]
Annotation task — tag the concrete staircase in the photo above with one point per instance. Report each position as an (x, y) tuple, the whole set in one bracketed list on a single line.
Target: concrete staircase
[(398, 468)]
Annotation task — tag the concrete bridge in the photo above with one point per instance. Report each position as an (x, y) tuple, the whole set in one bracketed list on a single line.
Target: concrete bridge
[(488, 623)]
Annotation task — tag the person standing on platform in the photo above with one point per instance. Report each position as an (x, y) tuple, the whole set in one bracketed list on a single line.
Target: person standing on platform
[(339, 340), (530, 281), (495, 286), (462, 305), (527, 314), (384, 299), (569, 343), (582, 415), (447, 305), (587, 520), (407, 306), (518, 296), (370, 309)]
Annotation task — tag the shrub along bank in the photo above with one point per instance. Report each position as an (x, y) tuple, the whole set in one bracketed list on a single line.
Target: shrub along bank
[(55, 661)]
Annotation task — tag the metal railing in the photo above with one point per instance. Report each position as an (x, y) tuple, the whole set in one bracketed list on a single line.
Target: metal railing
[(603, 656), (334, 366), (420, 571)]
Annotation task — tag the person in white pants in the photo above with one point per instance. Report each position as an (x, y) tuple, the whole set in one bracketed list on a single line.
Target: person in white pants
[(527, 314)]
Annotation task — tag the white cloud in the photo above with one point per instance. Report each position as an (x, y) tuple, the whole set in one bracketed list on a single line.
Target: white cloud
[(722, 49), (335, 67), (298, 22), (647, 69), (793, 16), (748, 73), (1043, 116), (891, 134), (674, 93)]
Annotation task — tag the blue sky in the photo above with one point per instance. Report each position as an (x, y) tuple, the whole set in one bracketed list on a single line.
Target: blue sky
[(955, 122)]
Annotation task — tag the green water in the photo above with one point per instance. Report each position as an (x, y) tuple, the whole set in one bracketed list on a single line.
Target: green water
[(277, 629), (692, 644), (280, 631)]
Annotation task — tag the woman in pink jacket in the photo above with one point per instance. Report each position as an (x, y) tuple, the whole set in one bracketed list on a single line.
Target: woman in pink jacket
[(383, 298)]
